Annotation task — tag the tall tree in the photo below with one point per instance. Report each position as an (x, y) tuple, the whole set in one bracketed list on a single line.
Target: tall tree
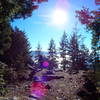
[(38, 56), (77, 52), (18, 55), (52, 55), (84, 57), (38, 52), (91, 19), (10, 10), (73, 50), (63, 51)]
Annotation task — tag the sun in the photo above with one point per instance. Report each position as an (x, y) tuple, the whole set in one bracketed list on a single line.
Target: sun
[(59, 17)]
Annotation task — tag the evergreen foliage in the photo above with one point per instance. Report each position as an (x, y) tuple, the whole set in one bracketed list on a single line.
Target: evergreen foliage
[(5, 37), (63, 51), (10, 10), (73, 51), (84, 57), (38, 56), (91, 19), (78, 53), (52, 55), (18, 55)]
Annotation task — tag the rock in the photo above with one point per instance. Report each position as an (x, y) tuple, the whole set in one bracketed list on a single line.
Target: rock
[(15, 98), (58, 98)]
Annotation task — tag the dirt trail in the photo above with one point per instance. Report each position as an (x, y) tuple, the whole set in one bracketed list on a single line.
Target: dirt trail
[(65, 89)]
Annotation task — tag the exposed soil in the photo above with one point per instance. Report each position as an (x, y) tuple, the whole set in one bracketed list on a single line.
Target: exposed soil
[(60, 89)]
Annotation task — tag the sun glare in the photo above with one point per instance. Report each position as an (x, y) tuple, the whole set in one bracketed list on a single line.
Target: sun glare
[(59, 17)]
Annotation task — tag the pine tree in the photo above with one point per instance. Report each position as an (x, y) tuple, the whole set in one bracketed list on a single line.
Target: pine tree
[(52, 55), (63, 51), (38, 56), (78, 53), (91, 19), (73, 51), (14, 49), (84, 62), (10, 10), (38, 52), (18, 55)]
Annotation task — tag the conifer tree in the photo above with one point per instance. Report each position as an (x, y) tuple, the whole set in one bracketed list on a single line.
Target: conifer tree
[(77, 52), (10, 10), (73, 51), (84, 57), (38, 56), (63, 51), (14, 47), (18, 55), (52, 55), (91, 19)]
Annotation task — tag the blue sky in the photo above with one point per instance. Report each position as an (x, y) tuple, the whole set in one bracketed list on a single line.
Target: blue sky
[(39, 29)]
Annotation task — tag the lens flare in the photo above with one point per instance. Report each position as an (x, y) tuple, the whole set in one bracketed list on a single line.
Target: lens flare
[(45, 64), (38, 89)]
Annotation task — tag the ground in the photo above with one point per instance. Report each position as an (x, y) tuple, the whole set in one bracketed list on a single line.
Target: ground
[(61, 89), (65, 89)]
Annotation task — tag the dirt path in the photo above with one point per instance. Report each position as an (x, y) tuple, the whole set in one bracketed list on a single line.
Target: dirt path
[(65, 89)]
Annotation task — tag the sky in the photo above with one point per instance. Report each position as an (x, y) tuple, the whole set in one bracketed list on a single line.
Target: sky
[(40, 27)]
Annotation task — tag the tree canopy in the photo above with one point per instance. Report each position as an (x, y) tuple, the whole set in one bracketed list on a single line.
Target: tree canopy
[(91, 19)]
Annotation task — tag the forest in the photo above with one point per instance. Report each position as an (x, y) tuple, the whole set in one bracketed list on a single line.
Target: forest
[(68, 72)]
